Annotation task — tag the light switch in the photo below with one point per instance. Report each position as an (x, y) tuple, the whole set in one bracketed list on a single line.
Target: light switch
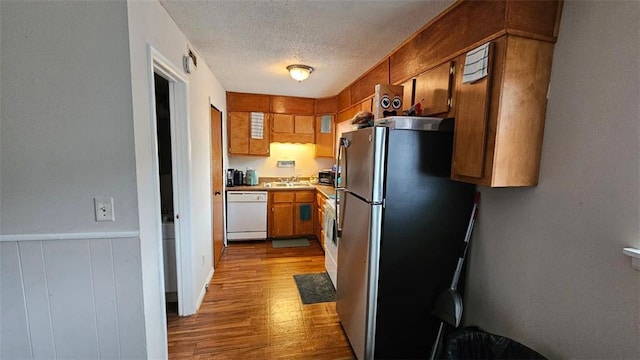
[(104, 208)]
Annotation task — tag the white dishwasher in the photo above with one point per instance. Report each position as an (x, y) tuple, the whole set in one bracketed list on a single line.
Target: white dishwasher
[(246, 215)]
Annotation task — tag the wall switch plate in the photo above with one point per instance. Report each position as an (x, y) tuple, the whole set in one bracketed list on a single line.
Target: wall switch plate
[(103, 208)]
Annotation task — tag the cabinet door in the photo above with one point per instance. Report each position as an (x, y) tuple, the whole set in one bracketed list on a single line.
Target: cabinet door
[(281, 220), (260, 146), (472, 121), (303, 218), (432, 89), (283, 124), (324, 140), (303, 124), (239, 133), (292, 128)]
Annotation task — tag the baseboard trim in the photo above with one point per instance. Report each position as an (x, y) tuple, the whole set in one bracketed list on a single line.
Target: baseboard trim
[(204, 290), (71, 236)]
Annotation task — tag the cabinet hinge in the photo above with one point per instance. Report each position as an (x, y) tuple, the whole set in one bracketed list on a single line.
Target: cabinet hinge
[(452, 69), (449, 102)]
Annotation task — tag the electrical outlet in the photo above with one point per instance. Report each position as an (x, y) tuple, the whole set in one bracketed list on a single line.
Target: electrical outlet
[(103, 208), (203, 259)]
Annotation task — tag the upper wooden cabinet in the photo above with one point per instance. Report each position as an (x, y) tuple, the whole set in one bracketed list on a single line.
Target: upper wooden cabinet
[(247, 102), (500, 119), (433, 89), (292, 105), (324, 138), (292, 128), (241, 141)]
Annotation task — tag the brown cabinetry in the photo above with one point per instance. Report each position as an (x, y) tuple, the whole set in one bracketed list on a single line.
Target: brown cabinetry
[(292, 128), (324, 138), (433, 89), (500, 119), (291, 213), (319, 219), (241, 141)]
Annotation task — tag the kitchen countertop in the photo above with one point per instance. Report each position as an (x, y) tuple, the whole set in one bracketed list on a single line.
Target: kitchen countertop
[(326, 190)]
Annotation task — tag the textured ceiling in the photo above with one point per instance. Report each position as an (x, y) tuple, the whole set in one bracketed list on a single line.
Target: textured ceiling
[(248, 44)]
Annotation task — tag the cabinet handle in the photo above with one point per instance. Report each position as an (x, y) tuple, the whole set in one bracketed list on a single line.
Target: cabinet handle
[(217, 193)]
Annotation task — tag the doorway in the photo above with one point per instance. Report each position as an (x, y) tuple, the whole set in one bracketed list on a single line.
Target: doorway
[(217, 200), (165, 173)]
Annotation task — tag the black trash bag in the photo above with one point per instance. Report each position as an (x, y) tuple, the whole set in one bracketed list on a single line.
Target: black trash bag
[(473, 343)]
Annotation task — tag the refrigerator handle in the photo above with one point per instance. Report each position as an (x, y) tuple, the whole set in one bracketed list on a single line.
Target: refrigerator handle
[(341, 173)]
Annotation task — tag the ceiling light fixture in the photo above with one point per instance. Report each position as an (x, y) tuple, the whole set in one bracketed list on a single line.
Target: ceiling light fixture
[(299, 72)]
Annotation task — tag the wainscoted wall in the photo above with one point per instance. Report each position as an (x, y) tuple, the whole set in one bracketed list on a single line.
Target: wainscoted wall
[(71, 299)]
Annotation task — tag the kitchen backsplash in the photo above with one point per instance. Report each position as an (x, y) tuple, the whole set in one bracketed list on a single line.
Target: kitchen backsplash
[(303, 154)]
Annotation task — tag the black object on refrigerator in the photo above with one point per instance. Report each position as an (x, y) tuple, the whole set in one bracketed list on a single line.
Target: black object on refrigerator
[(402, 223)]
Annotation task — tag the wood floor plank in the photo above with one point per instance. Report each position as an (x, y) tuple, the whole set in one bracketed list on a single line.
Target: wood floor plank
[(253, 310)]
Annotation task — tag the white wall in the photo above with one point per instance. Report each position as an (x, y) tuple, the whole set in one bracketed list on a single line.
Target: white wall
[(149, 24), (546, 265), (74, 289)]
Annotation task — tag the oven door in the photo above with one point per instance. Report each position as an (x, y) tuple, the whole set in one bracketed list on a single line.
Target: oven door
[(330, 242)]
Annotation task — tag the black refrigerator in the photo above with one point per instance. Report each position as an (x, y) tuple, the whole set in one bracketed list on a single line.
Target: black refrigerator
[(402, 222)]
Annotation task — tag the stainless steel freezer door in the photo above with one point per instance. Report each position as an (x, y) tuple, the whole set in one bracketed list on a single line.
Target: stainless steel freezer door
[(363, 165), (356, 292)]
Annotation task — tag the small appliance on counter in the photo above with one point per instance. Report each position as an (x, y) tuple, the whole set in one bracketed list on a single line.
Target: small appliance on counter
[(230, 177), (251, 177), (238, 178), (327, 177)]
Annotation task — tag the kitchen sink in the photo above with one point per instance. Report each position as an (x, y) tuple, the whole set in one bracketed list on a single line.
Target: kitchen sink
[(288, 184)]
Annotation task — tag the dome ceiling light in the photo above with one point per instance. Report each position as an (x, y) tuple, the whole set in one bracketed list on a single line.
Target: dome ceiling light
[(299, 72)]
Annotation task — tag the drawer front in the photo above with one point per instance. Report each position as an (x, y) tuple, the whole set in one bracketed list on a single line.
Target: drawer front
[(304, 196), (283, 196), (320, 200)]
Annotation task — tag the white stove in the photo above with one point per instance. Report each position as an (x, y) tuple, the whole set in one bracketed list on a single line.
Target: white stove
[(330, 241)]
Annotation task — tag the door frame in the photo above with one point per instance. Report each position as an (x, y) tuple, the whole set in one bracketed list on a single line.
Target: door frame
[(181, 176)]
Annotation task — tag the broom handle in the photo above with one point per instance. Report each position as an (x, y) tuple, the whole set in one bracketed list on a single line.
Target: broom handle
[(434, 349), (467, 237)]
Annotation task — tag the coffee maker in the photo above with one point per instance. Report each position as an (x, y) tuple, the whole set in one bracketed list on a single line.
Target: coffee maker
[(230, 173)]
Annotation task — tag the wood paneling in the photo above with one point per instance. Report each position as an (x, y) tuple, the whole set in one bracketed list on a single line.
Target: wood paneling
[(465, 24), (327, 105), (304, 124), (292, 105), (253, 310), (247, 102), (348, 113), (365, 86), (536, 19), (71, 299), (283, 123), (344, 99)]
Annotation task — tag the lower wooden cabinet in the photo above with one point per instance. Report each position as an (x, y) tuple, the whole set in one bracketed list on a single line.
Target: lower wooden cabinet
[(291, 213), (318, 225)]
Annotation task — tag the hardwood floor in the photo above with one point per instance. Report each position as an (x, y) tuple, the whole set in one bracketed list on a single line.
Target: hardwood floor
[(253, 311)]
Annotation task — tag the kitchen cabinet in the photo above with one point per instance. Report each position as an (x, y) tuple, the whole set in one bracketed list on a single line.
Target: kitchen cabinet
[(325, 139), (292, 128), (432, 89), (319, 219), (500, 119), (291, 213), (241, 140)]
